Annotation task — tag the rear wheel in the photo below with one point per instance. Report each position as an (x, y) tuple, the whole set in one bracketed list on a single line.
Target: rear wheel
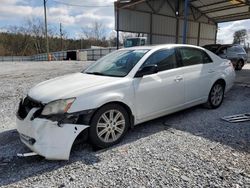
[(109, 124), (239, 65), (216, 95)]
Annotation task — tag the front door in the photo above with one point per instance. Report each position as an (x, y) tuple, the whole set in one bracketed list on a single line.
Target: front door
[(156, 93)]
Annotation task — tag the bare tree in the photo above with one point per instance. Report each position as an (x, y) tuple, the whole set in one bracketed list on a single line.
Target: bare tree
[(96, 31)]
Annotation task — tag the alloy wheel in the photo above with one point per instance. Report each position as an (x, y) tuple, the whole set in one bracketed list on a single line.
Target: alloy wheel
[(217, 94), (110, 126)]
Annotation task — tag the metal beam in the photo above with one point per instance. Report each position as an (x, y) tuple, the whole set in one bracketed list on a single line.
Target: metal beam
[(199, 34), (177, 10), (192, 11), (130, 4), (185, 27), (232, 17), (246, 2), (212, 4), (151, 29), (150, 6), (229, 7), (216, 34), (161, 5), (202, 14), (172, 8)]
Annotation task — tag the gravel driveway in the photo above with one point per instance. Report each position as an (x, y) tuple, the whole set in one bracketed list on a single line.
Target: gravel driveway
[(191, 148)]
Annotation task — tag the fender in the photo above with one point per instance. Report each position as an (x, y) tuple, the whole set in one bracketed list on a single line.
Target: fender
[(96, 101)]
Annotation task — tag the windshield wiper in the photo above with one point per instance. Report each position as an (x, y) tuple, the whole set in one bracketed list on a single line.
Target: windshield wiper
[(99, 73), (95, 73)]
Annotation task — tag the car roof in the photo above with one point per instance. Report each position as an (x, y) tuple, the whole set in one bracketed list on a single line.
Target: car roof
[(160, 46), (230, 45)]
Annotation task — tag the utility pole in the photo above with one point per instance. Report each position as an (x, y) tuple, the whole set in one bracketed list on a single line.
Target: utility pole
[(61, 35), (46, 29)]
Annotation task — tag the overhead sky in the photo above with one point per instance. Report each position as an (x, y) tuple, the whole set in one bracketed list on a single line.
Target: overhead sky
[(73, 18)]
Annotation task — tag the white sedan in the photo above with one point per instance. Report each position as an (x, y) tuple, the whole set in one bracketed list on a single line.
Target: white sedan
[(122, 89)]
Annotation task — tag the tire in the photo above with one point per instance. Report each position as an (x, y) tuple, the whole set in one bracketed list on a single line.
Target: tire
[(239, 65), (106, 131), (216, 95)]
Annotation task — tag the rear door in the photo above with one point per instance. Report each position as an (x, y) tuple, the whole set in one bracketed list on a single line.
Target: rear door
[(198, 71)]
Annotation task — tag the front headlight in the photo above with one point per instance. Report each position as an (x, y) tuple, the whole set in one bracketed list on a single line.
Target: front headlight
[(58, 107)]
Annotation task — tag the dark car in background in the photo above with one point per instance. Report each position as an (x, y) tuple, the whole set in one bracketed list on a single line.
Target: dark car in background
[(235, 53)]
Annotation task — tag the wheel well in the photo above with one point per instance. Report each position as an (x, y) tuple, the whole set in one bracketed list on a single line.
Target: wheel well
[(241, 61), (222, 81), (126, 107)]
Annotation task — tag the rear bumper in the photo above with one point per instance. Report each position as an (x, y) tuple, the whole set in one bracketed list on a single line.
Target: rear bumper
[(230, 78), (46, 138)]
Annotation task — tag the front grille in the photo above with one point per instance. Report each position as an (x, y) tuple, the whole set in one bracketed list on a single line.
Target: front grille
[(26, 105)]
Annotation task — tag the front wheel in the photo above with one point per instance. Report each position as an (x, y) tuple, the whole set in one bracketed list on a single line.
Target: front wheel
[(109, 124), (216, 95)]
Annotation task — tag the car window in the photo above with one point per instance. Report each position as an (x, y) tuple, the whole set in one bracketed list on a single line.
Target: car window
[(222, 50), (239, 49), (231, 49), (212, 48), (143, 42), (118, 63), (164, 59), (193, 56)]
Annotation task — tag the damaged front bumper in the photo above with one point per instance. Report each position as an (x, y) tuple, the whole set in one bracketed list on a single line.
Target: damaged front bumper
[(46, 137)]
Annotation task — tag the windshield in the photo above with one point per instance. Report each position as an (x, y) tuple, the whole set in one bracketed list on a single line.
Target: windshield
[(118, 63), (132, 42)]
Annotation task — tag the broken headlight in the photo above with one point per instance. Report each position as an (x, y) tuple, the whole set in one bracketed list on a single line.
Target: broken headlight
[(58, 107)]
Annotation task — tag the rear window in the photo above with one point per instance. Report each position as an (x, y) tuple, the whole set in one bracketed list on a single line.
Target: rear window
[(194, 56), (212, 48), (231, 49), (239, 49)]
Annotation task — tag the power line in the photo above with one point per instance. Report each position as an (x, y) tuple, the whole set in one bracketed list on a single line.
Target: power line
[(75, 5)]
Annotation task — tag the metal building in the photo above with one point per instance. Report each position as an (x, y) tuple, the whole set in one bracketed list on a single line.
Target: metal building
[(178, 21)]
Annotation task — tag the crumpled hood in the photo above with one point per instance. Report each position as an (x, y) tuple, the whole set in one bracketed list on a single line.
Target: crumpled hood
[(65, 86)]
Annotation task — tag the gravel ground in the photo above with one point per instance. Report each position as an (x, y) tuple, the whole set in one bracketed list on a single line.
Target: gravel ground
[(191, 148)]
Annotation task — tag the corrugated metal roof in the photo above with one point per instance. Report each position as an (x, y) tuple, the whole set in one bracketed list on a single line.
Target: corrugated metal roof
[(223, 10), (217, 10)]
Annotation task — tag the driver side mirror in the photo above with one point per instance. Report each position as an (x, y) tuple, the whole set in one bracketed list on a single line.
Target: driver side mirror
[(147, 70)]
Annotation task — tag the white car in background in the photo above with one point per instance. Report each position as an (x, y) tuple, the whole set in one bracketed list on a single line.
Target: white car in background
[(122, 89)]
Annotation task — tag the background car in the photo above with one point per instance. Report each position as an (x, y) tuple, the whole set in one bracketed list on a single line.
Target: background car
[(235, 53), (124, 88)]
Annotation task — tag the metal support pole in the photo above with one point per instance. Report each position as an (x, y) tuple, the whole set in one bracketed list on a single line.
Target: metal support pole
[(215, 42), (184, 35), (151, 29), (177, 14), (177, 31), (117, 26), (199, 34), (46, 30)]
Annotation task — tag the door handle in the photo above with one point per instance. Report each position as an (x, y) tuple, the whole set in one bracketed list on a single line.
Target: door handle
[(178, 79), (211, 71)]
